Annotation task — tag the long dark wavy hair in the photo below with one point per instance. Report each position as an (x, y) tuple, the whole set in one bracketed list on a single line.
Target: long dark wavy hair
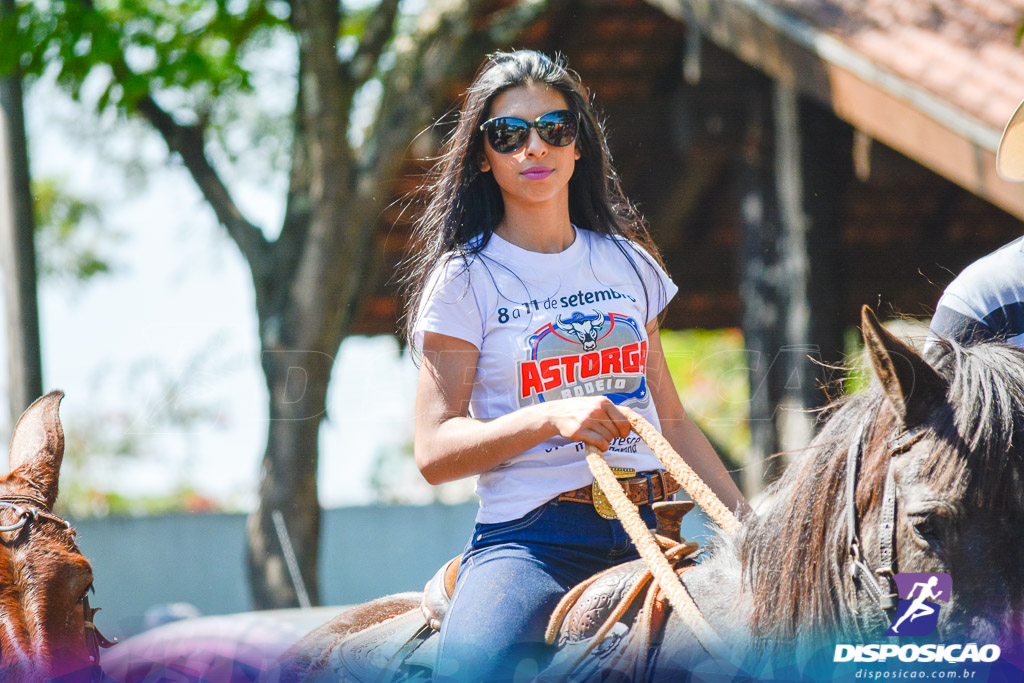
[(463, 205)]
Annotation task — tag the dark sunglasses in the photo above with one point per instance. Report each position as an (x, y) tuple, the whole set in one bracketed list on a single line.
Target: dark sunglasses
[(506, 134)]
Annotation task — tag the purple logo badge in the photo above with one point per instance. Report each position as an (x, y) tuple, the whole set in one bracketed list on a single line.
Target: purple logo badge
[(918, 611)]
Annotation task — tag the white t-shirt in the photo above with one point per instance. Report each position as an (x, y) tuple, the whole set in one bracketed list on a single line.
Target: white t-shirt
[(550, 326)]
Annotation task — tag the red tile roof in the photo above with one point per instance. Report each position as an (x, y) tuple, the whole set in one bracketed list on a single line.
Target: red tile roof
[(961, 51)]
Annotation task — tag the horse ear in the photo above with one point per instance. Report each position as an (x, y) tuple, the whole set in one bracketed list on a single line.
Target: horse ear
[(37, 446), (912, 386)]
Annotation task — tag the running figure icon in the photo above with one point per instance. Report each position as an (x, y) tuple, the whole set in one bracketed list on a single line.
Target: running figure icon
[(919, 608)]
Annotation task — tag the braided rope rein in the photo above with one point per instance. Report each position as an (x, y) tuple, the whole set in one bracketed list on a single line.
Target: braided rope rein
[(691, 482), (665, 577)]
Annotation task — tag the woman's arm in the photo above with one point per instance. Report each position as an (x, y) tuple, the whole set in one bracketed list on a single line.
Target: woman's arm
[(685, 437), (449, 445)]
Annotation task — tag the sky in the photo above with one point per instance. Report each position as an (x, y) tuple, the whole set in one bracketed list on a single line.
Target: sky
[(173, 328)]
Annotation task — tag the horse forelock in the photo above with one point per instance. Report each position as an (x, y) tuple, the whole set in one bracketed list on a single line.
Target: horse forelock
[(794, 552)]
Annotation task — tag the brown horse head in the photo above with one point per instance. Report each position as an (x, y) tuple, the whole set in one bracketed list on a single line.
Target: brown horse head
[(959, 488), (44, 579), (922, 472)]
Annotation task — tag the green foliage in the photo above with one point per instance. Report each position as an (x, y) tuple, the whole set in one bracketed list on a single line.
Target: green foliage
[(858, 375), (69, 238), (355, 23), (709, 368), (139, 46)]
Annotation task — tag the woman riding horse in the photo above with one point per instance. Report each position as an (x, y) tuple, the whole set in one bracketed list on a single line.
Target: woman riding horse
[(922, 472), (535, 302)]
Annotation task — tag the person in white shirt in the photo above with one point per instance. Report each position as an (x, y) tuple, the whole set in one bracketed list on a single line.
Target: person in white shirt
[(986, 300), (535, 294)]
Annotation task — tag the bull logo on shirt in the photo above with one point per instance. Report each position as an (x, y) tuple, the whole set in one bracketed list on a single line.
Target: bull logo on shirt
[(584, 327), (585, 354)]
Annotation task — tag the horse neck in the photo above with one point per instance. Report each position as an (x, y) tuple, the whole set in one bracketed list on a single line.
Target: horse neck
[(715, 585), (819, 599), (794, 552)]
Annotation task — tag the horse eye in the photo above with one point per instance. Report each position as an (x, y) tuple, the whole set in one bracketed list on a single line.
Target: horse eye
[(88, 589), (927, 527)]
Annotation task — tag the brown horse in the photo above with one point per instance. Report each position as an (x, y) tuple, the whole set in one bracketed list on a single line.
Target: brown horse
[(923, 472), (46, 629)]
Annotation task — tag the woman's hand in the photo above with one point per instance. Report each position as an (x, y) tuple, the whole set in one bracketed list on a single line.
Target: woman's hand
[(451, 445), (594, 420)]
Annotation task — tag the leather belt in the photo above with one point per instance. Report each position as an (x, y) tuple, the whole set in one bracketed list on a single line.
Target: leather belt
[(644, 488)]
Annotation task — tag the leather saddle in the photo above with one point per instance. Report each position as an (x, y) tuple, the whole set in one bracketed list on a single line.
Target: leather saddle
[(607, 622)]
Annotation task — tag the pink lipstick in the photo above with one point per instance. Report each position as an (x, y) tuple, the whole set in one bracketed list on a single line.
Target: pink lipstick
[(538, 172)]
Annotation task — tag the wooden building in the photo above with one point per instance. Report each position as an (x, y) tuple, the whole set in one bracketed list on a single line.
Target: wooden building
[(796, 160)]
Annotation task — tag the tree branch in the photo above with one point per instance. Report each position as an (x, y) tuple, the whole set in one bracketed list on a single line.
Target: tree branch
[(187, 141), (297, 211), (379, 30)]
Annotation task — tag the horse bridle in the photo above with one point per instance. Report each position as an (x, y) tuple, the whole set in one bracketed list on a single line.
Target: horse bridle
[(879, 583), (28, 508)]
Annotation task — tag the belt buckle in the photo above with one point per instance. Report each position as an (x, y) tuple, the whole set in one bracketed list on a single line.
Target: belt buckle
[(601, 504)]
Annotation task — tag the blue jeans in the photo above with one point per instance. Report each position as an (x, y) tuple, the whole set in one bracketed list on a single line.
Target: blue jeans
[(511, 577)]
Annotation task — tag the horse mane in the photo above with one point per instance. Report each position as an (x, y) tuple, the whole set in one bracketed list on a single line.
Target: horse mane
[(794, 552)]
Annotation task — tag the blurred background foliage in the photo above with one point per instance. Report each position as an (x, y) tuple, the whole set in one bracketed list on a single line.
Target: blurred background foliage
[(71, 240), (709, 368), (195, 47)]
